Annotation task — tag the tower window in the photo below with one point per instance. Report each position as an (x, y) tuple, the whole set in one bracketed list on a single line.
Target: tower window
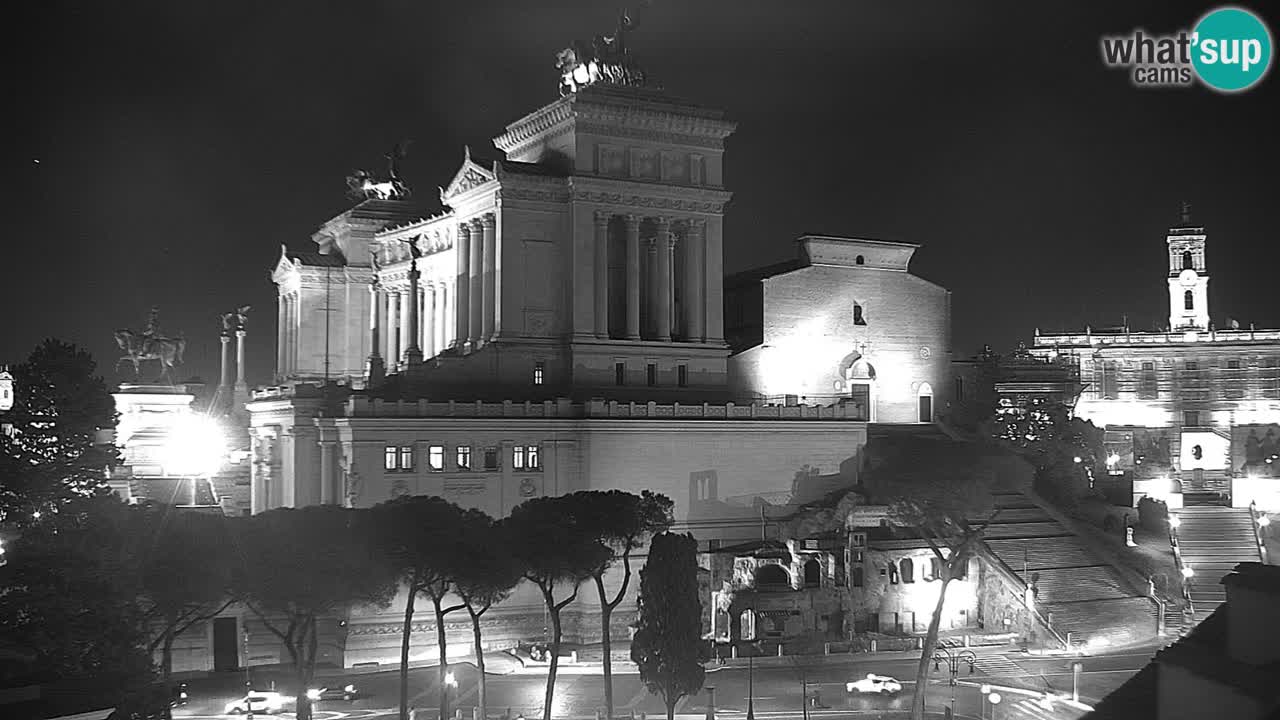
[(857, 315), (539, 369), (1188, 262), (1188, 301), (859, 260)]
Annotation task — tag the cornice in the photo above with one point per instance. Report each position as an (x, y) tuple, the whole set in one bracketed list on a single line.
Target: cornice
[(534, 124), (649, 196)]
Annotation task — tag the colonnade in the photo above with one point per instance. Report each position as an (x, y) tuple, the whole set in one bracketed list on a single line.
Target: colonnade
[(389, 319)]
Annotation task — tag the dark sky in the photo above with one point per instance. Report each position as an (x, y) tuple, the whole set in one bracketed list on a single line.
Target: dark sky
[(180, 143)]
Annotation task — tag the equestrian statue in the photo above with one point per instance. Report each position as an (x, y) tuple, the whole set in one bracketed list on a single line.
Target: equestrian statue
[(151, 344)]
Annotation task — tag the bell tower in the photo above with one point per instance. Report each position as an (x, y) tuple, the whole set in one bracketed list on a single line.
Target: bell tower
[(1188, 278)]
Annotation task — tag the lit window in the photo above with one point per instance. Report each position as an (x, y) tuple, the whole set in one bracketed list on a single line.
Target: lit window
[(398, 458), (517, 457), (525, 457), (406, 457), (491, 458), (538, 369), (534, 457), (619, 373), (682, 375), (651, 374), (464, 457), (435, 458), (389, 458)]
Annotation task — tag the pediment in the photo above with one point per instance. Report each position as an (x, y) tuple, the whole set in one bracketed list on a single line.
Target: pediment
[(284, 268), (470, 176)]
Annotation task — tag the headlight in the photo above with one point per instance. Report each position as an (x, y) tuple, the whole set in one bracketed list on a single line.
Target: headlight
[(313, 694), (349, 688)]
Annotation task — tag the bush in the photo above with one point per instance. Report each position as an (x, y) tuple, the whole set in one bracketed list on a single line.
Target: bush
[(1153, 514)]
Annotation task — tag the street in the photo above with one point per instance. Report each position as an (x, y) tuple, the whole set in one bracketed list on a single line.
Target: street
[(1021, 680)]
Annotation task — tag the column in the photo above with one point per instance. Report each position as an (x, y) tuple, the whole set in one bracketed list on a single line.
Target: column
[(242, 388), (413, 321), (224, 383), (292, 300), (282, 342), (602, 274), (462, 295), (694, 300), (328, 468), (429, 320), (475, 285), (714, 281), (393, 328), (375, 370), (442, 315), (662, 288), (633, 277), (488, 224), (448, 308), (404, 320)]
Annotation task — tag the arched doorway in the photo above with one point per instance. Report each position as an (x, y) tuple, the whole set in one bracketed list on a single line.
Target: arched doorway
[(860, 382), (812, 573), (924, 402), (772, 577)]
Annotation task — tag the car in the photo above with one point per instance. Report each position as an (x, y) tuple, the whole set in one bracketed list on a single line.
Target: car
[(345, 692), (258, 701), (873, 683)]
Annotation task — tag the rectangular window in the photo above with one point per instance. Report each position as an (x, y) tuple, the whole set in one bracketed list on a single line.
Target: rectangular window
[(682, 375), (1148, 388), (533, 457), (517, 457), (538, 369), (1110, 383), (651, 374), (406, 458), (1191, 365), (619, 373), (464, 457), (435, 458), (398, 458), (389, 458), (491, 458), (1233, 364), (1191, 418)]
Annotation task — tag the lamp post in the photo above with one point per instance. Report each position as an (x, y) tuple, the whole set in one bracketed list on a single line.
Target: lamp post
[(994, 699), (1076, 667), (248, 682), (985, 690), (450, 681), (953, 661)]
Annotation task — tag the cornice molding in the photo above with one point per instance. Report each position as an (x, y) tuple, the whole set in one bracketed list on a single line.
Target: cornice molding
[(535, 124)]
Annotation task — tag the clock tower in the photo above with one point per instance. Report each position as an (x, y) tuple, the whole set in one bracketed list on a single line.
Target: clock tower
[(1188, 279)]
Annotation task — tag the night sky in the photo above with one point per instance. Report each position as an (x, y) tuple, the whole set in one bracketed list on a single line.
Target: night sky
[(164, 150)]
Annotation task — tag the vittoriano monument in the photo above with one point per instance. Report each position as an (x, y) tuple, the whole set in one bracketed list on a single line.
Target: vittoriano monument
[(607, 60), (151, 344), (363, 185)]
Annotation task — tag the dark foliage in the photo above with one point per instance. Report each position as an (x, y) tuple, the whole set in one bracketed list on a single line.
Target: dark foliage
[(668, 646)]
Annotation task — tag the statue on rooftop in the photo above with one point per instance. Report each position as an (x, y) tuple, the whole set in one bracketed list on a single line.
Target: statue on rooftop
[(363, 185), (150, 344), (608, 60)]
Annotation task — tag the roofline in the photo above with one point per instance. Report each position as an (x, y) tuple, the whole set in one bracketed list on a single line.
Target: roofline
[(848, 238)]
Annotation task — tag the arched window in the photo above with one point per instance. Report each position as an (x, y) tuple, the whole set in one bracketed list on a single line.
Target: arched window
[(924, 402), (857, 315), (812, 573), (1188, 262), (908, 570), (935, 569), (772, 577), (859, 260), (859, 579), (1188, 301)]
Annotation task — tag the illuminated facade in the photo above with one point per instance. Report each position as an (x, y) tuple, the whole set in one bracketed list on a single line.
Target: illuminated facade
[(847, 322), (1194, 409)]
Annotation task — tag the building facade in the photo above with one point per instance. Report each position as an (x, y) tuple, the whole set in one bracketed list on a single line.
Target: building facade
[(560, 327), (1191, 412)]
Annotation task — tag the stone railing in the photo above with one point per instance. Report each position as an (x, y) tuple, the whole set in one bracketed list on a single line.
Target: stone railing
[(1155, 338), (564, 408)]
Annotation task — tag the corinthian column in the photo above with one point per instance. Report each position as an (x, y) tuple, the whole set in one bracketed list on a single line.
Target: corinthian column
[(412, 351), (475, 282), (602, 274), (462, 293), (662, 289), (488, 224), (393, 327), (694, 299), (375, 370), (633, 277), (282, 342), (429, 321)]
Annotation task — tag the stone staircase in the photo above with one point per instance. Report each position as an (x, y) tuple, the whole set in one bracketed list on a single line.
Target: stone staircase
[(1078, 591), (1212, 540)]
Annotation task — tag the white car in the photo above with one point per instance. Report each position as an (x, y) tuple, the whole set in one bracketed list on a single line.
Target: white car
[(873, 683), (268, 703)]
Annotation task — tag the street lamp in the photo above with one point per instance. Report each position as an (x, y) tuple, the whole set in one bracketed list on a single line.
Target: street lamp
[(944, 655), (450, 681), (1076, 667), (985, 690), (994, 699)]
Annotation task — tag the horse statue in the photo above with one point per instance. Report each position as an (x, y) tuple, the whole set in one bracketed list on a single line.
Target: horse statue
[(140, 348)]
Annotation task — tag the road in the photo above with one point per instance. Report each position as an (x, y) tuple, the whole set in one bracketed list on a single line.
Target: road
[(777, 689)]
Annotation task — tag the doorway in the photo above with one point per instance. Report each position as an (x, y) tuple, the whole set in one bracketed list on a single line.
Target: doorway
[(924, 398), (226, 656)]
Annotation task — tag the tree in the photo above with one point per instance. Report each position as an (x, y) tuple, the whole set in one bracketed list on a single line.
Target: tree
[(183, 577), (622, 521), (1065, 450), (668, 645), (553, 548), (68, 594), (53, 454), (301, 565), (941, 490), (420, 536), (487, 572)]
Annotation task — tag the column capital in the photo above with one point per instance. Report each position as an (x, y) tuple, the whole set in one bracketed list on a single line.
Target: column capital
[(602, 218), (488, 220), (663, 222), (632, 220)]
